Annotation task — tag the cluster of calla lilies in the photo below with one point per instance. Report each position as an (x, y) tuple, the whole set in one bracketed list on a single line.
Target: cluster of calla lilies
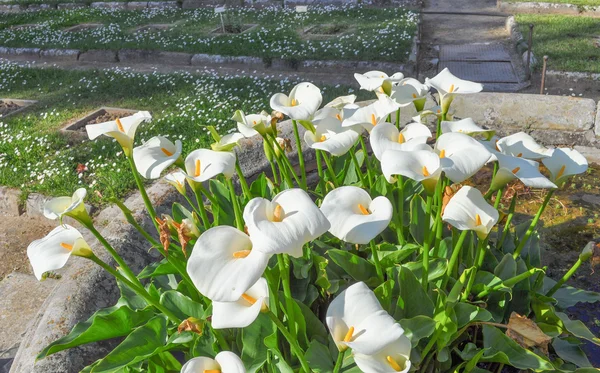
[(227, 263)]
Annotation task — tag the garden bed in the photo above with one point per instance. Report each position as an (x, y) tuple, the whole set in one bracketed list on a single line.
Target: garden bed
[(105, 114), (10, 107), (326, 31), (84, 27), (233, 29), (154, 27)]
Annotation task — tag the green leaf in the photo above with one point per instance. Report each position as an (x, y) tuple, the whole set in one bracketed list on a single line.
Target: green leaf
[(180, 213), (116, 321), (181, 305), (577, 328), (314, 326), (225, 208), (384, 293), (271, 343), (418, 222), (487, 281), (396, 255), (144, 342), (568, 296), (254, 351), (502, 349), (357, 267), (417, 328), (318, 357), (437, 268), (157, 269), (412, 300), (570, 352), (380, 188), (468, 313), (260, 187), (507, 268)]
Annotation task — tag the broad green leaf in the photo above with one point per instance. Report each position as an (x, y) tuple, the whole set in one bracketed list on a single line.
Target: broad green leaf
[(507, 268), (467, 313), (164, 362), (437, 268), (314, 326), (225, 209), (390, 258), (181, 305), (180, 213), (445, 319), (568, 296), (280, 362), (417, 328), (502, 349), (144, 342), (384, 293), (357, 267), (254, 351), (260, 187), (577, 328), (116, 321), (380, 188), (487, 281), (322, 279), (318, 357), (570, 352), (412, 300), (160, 268), (418, 220)]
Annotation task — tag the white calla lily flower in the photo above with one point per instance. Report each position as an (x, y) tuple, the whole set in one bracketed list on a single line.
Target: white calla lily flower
[(340, 102), (122, 129), (393, 358), (302, 103), (252, 124), (410, 90), (511, 168), (468, 210), (204, 164), (72, 206), (461, 155), (468, 127), (228, 142), (522, 145), (371, 115), (224, 362), (177, 179), (244, 311), (563, 163), (386, 136), (419, 165), (356, 319), (155, 156), (284, 224), (447, 85), (53, 251), (331, 137), (224, 264), (374, 80), (354, 216)]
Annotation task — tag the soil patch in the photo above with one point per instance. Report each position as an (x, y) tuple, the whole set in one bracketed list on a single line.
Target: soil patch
[(7, 107), (233, 28)]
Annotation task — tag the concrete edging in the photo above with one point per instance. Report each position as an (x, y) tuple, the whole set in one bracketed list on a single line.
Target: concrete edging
[(132, 5), (548, 8)]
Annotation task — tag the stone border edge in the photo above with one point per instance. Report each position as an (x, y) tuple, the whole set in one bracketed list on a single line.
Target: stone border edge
[(548, 8)]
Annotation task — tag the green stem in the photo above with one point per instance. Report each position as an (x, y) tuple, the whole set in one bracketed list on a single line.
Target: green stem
[(454, 258), (425, 279), (532, 225), (478, 261), (376, 261), (498, 198), (284, 163), (239, 222), (137, 288), (511, 213), (330, 170), (140, 185), (398, 119), (510, 282), (320, 171), (124, 267), (201, 208), (191, 204), (292, 341), (243, 181), (339, 361), (366, 155), (564, 279), (221, 340), (284, 272), (357, 167), (401, 209), (274, 172), (300, 154)]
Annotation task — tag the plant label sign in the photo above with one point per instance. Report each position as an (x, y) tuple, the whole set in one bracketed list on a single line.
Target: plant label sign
[(220, 9), (301, 8)]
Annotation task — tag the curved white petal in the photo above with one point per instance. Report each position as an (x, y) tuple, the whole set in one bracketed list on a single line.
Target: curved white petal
[(253, 124), (302, 103), (231, 138), (53, 251), (398, 351), (211, 163), (445, 81), (374, 333), (156, 155), (342, 208), (125, 133), (57, 207), (299, 222), (522, 145), (510, 168), (408, 90), (385, 136), (461, 155), (370, 115), (215, 271), (177, 179), (371, 80), (464, 208), (230, 362), (242, 312), (340, 102), (468, 127), (565, 162), (199, 365), (418, 165)]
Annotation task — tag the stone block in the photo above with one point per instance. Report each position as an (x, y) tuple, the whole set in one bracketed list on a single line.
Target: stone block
[(9, 202), (202, 59), (109, 5), (527, 112), (154, 57), (98, 55), (561, 137), (59, 54), (71, 6), (597, 124), (163, 4), (29, 53), (590, 153), (135, 5)]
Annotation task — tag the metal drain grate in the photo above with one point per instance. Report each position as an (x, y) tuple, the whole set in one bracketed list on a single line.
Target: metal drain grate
[(483, 72), (474, 52)]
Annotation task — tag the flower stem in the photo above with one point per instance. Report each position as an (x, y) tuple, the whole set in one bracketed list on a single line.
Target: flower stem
[(284, 272), (357, 166), (511, 213), (128, 273), (454, 257), (320, 171), (339, 361), (564, 279), (366, 155), (300, 154), (330, 170), (510, 282), (376, 261), (478, 262), (274, 172), (201, 208), (239, 222), (532, 225), (284, 162), (425, 279), (401, 209), (243, 181), (291, 340), (140, 185)]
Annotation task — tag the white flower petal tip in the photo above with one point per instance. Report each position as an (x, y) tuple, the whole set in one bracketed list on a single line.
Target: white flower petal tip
[(461, 155), (419, 165), (224, 362), (205, 164), (410, 91), (468, 210), (224, 264), (155, 156), (445, 82), (563, 163), (386, 136), (53, 251), (177, 179), (522, 145), (245, 310), (73, 206), (468, 127), (252, 124), (511, 168), (284, 224), (331, 137), (354, 216), (371, 115), (356, 319), (122, 129), (302, 103), (393, 358), (340, 102)]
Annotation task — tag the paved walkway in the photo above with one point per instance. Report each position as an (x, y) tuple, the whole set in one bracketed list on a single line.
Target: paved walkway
[(469, 37)]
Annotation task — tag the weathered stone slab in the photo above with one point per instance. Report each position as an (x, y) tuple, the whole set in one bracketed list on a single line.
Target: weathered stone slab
[(34, 7), (134, 5), (597, 125), (59, 54), (590, 153), (163, 4), (15, 8), (109, 5), (99, 55), (548, 8), (9, 202), (71, 6), (527, 112), (563, 138), (201, 59), (30, 53), (154, 57)]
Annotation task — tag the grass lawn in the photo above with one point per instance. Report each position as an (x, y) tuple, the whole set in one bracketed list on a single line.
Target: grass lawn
[(34, 156), (383, 34), (570, 42), (574, 2)]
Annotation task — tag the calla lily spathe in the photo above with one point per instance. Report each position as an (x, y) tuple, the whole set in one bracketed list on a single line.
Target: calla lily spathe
[(224, 362), (284, 224), (252, 124), (224, 264), (354, 216), (244, 311), (468, 127), (53, 251), (393, 358), (177, 179), (511, 168), (410, 90), (563, 163), (419, 165), (371, 115), (468, 210), (302, 103), (522, 145), (121, 129), (72, 206), (341, 101), (331, 137), (204, 164), (461, 155), (155, 156), (227, 143), (386, 136), (356, 320), (447, 85)]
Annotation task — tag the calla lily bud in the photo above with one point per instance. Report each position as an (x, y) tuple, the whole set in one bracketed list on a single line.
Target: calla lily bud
[(588, 251), (73, 207), (284, 144), (177, 179)]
